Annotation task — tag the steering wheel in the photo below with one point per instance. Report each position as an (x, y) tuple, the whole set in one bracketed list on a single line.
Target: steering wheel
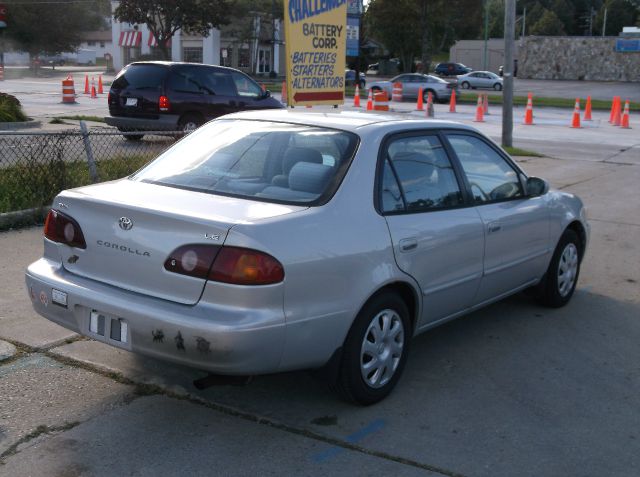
[(503, 191), (485, 197)]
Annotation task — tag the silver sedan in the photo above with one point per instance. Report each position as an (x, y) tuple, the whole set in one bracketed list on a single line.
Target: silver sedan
[(274, 241), (411, 84), (480, 79)]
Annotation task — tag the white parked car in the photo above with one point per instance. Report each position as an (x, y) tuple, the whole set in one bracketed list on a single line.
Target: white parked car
[(480, 79), (272, 241)]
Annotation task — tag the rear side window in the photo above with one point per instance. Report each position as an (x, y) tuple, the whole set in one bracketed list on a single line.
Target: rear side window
[(258, 160), (140, 77), (418, 176)]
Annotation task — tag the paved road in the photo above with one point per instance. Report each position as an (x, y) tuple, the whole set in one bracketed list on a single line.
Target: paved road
[(514, 389)]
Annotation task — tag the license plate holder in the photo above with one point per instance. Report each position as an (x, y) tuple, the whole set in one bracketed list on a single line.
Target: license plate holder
[(131, 102), (108, 328)]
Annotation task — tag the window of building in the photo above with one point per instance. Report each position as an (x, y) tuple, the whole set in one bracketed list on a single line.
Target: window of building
[(192, 54), (102, 44), (91, 43), (244, 58), (264, 60)]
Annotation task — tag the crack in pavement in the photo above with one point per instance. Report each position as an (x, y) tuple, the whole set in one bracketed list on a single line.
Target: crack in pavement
[(145, 389), (621, 151), (37, 432)]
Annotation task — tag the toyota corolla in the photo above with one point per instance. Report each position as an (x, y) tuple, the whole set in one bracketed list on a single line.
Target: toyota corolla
[(274, 241)]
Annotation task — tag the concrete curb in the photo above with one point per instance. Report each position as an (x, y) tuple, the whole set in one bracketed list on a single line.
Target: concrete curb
[(7, 351), (31, 123), (9, 220)]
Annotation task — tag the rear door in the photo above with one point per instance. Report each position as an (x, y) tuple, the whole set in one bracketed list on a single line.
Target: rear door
[(437, 237)]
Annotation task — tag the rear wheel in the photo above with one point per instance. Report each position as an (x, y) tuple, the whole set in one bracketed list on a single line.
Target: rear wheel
[(129, 135), (375, 350), (189, 123), (559, 283)]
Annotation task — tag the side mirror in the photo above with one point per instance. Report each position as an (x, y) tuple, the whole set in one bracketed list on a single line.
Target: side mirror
[(266, 94), (536, 187)]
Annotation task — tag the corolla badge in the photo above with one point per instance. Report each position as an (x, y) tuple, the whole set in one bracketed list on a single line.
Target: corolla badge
[(125, 223)]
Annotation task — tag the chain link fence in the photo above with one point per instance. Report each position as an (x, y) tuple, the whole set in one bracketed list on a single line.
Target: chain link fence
[(36, 166)]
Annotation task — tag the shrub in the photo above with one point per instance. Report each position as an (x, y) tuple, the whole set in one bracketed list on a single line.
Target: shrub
[(10, 109)]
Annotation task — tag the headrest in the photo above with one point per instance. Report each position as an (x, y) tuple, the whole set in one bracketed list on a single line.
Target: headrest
[(308, 177), (294, 155)]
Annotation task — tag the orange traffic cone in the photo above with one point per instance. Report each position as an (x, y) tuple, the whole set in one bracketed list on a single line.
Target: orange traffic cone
[(420, 103), (479, 111), (370, 101), (86, 85), (485, 105), (430, 111), (625, 116), (100, 89), (93, 88), (283, 95), (528, 112), (452, 103), (614, 104), (587, 110), (617, 113), (575, 122), (356, 98)]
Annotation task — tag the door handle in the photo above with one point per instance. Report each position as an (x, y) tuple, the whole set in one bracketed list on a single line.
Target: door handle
[(493, 227), (406, 245)]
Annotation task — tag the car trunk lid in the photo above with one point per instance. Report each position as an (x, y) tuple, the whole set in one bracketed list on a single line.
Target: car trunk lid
[(131, 228)]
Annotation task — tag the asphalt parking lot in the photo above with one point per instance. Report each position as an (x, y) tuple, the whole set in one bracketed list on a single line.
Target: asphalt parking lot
[(514, 389)]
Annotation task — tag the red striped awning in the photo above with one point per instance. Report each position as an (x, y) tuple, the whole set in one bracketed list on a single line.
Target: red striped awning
[(130, 38), (153, 42)]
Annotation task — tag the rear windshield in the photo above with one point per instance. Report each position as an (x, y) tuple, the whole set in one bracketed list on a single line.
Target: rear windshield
[(258, 160), (140, 77)]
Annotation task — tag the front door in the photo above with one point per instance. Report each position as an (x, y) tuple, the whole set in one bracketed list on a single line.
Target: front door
[(437, 238), (516, 227)]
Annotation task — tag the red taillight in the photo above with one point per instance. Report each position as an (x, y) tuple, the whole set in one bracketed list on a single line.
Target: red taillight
[(192, 260), (239, 266), (243, 266), (109, 98), (63, 229), (163, 104)]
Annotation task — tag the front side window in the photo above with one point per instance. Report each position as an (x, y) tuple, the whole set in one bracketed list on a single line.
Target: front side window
[(257, 160), (246, 86), (418, 176), (490, 176)]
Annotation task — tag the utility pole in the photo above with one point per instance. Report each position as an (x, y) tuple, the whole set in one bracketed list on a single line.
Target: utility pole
[(604, 23), (507, 92), (524, 23), (486, 35)]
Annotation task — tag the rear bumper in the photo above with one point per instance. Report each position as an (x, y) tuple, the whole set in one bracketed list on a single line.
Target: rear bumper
[(165, 122), (217, 338)]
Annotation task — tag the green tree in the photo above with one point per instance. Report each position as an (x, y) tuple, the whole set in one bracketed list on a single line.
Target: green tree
[(164, 17), (396, 24), (25, 29), (620, 13), (549, 24)]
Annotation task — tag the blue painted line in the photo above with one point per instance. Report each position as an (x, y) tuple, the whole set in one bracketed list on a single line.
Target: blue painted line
[(357, 436)]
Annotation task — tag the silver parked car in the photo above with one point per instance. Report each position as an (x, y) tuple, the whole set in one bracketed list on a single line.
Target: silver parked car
[(480, 79), (412, 82), (273, 241)]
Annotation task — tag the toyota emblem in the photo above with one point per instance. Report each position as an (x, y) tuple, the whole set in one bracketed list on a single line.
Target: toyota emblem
[(125, 223)]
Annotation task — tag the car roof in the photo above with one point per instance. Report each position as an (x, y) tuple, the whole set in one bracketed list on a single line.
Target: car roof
[(179, 63), (352, 121)]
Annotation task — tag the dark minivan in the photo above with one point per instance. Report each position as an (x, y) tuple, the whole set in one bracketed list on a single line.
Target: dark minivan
[(168, 96)]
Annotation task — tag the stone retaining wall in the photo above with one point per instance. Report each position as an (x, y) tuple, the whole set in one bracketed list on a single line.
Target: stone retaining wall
[(576, 58)]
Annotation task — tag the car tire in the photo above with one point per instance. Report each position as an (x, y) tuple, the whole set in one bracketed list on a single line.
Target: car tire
[(559, 283), (189, 123), (380, 334), (497, 87), (129, 136), (465, 85), (434, 96)]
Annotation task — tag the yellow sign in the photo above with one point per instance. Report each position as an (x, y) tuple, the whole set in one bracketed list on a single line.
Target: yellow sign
[(315, 36)]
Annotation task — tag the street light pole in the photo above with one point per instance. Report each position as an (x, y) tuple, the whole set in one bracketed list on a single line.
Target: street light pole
[(507, 93), (486, 34)]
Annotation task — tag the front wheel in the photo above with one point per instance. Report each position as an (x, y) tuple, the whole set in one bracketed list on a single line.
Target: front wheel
[(497, 87), (375, 350), (434, 96), (559, 283), (465, 85)]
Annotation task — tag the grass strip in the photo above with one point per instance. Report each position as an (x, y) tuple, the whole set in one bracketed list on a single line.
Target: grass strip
[(77, 117), (541, 101), (516, 151), (35, 185)]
